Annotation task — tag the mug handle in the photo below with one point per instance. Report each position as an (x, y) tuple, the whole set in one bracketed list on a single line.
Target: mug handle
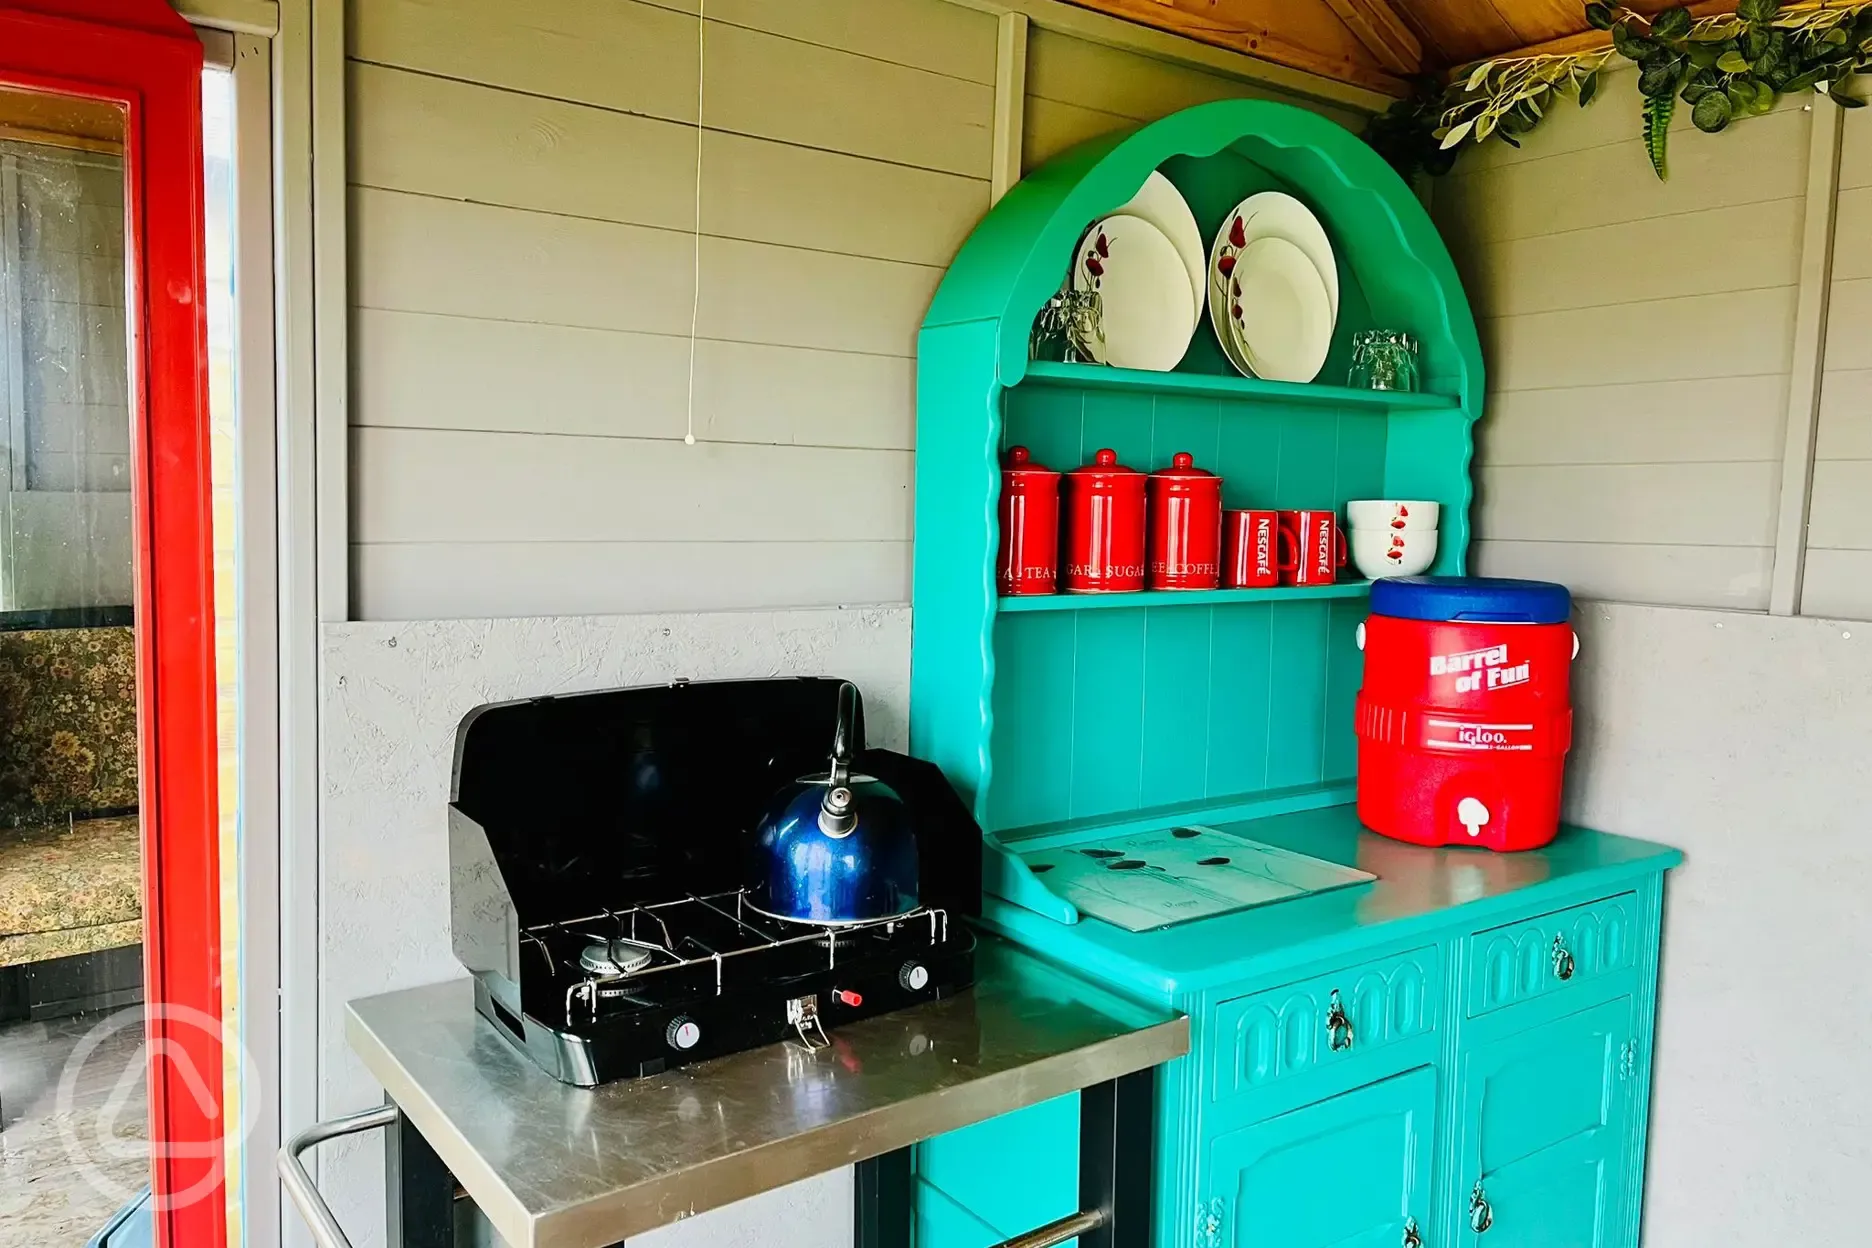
[(1286, 552), (1339, 546)]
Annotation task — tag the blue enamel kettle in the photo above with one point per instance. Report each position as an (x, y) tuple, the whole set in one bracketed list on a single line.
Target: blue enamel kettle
[(835, 848)]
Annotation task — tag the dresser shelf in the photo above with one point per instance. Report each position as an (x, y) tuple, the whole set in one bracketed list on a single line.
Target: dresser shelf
[(1181, 598), (1217, 386)]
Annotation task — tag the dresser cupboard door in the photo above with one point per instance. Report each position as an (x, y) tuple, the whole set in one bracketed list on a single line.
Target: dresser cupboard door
[(1349, 1172), (1544, 1116)]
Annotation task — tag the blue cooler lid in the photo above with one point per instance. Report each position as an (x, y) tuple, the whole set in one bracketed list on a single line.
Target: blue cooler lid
[(1471, 600)]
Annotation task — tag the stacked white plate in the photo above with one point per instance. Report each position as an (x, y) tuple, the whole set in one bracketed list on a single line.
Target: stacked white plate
[(1146, 263), (1273, 288)]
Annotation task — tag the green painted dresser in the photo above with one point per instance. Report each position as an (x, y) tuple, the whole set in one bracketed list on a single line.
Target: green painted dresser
[(1457, 1053)]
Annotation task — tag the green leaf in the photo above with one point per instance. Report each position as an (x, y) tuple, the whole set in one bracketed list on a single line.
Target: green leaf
[(1757, 12), (1695, 91), (1732, 63), (1478, 75), (1599, 16), (1837, 37), (1658, 79), (1457, 134), (1711, 112), (1631, 47), (1672, 23), (1588, 87), (1657, 119), (1702, 54), (1840, 94), (1765, 97)]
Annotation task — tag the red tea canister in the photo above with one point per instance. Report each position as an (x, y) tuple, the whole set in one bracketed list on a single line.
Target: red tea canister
[(1029, 559), (1185, 526), (1104, 503)]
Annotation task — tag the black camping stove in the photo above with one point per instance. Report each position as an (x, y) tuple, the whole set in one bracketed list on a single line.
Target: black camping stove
[(598, 849)]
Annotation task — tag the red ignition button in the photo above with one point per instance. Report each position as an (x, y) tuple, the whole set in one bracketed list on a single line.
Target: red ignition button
[(845, 996)]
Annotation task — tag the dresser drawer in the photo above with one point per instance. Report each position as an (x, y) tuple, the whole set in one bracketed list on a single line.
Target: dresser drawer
[(1283, 1033), (1556, 952)]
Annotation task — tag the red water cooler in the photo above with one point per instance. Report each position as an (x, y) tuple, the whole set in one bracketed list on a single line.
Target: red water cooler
[(1464, 718)]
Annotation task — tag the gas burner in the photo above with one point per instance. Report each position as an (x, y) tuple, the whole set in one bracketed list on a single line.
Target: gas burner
[(598, 846), (616, 957)]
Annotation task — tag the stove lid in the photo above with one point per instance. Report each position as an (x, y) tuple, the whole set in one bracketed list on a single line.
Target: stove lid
[(602, 800)]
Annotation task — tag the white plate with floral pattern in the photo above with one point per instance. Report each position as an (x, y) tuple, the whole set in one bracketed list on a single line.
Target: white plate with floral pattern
[(1146, 309)]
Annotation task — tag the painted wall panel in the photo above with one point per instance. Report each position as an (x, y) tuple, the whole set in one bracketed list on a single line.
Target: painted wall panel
[(392, 695), (1839, 518), (1639, 346), (1741, 740)]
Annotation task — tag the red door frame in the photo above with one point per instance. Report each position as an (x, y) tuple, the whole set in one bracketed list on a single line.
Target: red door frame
[(141, 55)]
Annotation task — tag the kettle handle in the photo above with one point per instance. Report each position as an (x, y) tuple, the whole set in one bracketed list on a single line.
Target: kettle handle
[(837, 816), (842, 734)]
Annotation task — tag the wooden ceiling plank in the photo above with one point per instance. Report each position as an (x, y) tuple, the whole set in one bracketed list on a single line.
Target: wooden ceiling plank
[(1286, 32), (1462, 30), (1378, 26), (1535, 21)]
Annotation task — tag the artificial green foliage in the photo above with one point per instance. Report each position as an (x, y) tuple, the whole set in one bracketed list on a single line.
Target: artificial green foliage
[(1725, 68)]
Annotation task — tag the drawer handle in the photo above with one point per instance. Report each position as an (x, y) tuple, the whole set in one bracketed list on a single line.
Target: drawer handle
[(1481, 1217), (1562, 959), (1411, 1238), (1338, 1026)]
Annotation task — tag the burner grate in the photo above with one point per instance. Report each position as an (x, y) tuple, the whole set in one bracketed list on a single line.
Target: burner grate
[(710, 936)]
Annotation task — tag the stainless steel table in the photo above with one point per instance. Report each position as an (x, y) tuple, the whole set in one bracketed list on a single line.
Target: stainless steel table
[(555, 1166)]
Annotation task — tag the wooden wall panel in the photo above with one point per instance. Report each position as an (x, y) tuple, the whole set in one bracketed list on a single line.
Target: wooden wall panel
[(1638, 339), (1838, 571), (1077, 90), (522, 269)]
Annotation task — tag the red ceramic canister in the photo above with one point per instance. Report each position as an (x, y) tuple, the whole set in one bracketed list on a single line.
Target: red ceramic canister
[(1029, 559), (1250, 549), (1104, 503), (1185, 526)]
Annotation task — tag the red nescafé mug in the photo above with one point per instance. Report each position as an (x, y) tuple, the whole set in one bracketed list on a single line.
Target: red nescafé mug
[(1312, 547), (1251, 558)]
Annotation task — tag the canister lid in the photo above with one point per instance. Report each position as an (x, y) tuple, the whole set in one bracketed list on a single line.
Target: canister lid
[(1020, 459), (1183, 466), (1104, 464), (1471, 600)]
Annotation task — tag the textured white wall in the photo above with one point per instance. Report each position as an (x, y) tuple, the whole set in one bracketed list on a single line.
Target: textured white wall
[(392, 697), (1742, 739)]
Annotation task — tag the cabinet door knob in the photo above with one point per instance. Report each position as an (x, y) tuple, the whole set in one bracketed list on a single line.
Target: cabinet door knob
[(1338, 1026), (1411, 1238), (1562, 959), (1481, 1217)]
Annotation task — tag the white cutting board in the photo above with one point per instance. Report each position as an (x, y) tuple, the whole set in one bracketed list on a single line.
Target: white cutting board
[(1148, 880)]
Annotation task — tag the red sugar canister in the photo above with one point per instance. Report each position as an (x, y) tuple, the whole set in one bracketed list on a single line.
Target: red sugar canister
[(1185, 526), (1104, 503), (1029, 559)]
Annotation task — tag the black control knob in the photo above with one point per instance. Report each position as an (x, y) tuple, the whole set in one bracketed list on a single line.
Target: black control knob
[(914, 976), (683, 1033)]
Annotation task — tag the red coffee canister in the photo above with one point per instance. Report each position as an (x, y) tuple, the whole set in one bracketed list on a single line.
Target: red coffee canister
[(1185, 526), (1104, 527), (1029, 559), (1251, 549)]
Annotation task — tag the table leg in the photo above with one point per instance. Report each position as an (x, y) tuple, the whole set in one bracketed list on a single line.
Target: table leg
[(883, 1201), (1115, 1159), (419, 1190)]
